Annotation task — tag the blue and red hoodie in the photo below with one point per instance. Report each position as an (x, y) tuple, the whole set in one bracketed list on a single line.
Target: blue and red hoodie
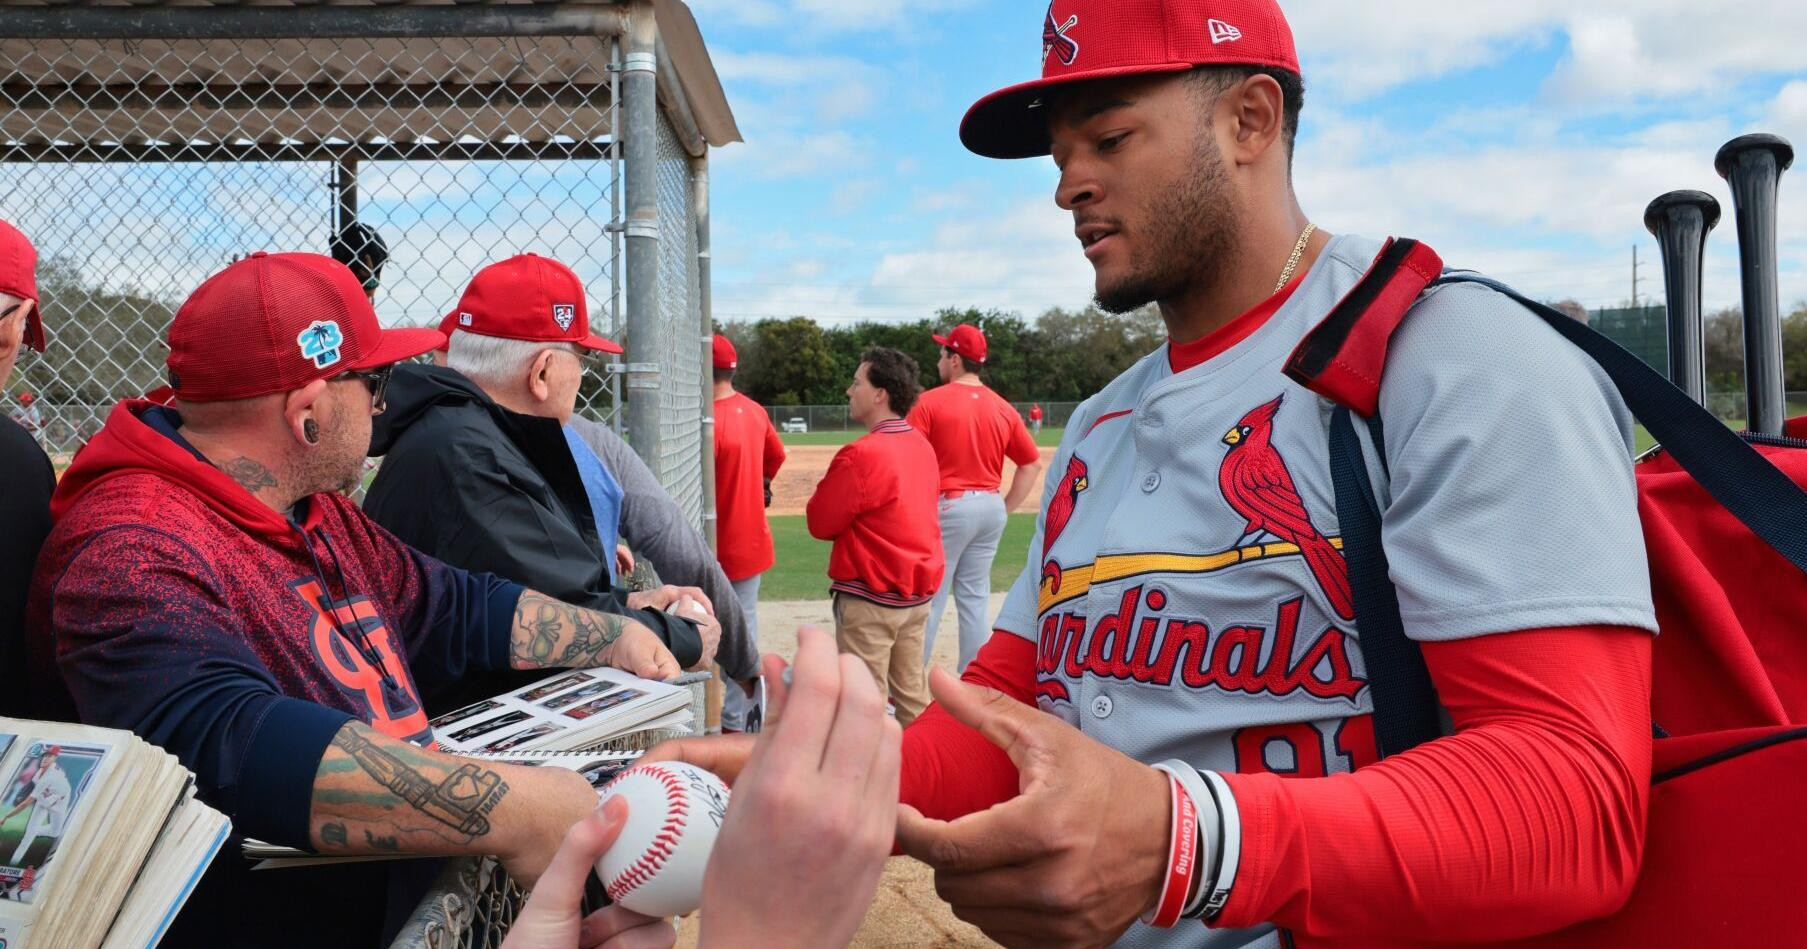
[(170, 601)]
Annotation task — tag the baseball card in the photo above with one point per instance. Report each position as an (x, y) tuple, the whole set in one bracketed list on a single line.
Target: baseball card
[(593, 690), (604, 704), (547, 688), (41, 792), (520, 738), (469, 711), (489, 725)]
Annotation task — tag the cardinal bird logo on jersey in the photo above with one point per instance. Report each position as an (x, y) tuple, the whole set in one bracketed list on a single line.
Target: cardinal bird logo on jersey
[(1055, 39), (1060, 511), (1255, 482)]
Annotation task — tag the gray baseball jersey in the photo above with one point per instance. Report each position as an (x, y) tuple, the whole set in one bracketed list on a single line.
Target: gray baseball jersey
[(1186, 591)]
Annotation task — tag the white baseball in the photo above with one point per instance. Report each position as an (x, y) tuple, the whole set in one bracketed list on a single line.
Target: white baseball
[(688, 607), (674, 812)]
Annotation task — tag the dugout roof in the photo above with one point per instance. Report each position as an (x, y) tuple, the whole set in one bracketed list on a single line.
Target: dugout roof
[(113, 80)]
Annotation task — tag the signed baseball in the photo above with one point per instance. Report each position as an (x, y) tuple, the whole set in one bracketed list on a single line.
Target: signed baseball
[(674, 811)]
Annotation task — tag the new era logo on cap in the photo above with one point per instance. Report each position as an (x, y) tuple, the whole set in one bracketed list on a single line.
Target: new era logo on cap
[(563, 314), (1222, 32)]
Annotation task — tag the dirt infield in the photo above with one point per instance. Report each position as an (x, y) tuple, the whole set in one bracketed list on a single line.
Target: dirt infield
[(804, 466), (905, 911)]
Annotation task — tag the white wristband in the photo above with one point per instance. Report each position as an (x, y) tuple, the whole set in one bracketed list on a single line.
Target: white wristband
[(1209, 828), (1232, 843)]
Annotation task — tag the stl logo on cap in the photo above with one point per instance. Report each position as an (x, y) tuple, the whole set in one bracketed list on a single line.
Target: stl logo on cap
[(321, 342), (563, 314), (1055, 39)]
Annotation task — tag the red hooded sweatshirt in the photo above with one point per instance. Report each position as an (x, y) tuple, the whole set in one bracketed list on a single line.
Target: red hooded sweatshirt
[(170, 601)]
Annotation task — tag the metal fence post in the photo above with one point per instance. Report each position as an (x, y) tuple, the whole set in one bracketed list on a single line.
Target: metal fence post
[(640, 145), (699, 185)]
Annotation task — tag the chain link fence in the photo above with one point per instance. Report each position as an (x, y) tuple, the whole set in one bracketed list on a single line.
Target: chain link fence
[(833, 418), (144, 146)]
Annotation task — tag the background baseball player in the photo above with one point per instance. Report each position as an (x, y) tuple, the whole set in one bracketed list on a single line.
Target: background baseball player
[(49, 803), (972, 429), (1186, 604), (748, 455)]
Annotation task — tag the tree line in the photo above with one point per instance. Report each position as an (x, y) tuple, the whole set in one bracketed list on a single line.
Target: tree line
[(1062, 356)]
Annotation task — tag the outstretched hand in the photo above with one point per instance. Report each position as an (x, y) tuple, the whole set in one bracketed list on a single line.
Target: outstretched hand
[(811, 817)]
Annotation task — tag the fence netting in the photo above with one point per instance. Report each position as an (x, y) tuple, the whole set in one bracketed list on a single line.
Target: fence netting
[(139, 168)]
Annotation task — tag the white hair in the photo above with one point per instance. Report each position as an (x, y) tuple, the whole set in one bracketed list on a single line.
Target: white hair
[(494, 361)]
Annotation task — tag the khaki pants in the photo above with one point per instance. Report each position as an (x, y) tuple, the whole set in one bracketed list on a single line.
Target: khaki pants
[(889, 641)]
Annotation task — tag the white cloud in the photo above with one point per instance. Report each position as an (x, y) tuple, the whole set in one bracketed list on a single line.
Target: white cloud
[(847, 16), (1618, 50)]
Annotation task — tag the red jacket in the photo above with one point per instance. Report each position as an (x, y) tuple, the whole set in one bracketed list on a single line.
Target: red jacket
[(877, 503)]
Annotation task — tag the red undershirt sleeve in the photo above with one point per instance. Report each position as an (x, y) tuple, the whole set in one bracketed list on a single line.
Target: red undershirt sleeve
[(1529, 818), (949, 769)]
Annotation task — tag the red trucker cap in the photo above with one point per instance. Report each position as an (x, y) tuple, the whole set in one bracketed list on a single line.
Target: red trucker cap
[(725, 356), (19, 278), (447, 326), (276, 322), (967, 340), (528, 297), (1096, 39)]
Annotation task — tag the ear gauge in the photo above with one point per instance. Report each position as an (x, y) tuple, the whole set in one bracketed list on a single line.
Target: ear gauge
[(310, 430)]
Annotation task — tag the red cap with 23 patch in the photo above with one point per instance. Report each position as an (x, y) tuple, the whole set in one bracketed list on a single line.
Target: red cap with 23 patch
[(528, 297), (1097, 39), (276, 322)]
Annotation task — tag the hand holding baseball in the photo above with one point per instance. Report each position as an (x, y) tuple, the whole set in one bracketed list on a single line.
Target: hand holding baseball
[(553, 917), (810, 824)]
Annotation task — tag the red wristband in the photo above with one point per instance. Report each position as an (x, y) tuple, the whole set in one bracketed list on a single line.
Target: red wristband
[(1182, 859)]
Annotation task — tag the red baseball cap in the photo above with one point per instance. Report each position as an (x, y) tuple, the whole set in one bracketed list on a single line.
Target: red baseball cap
[(1095, 39), (725, 356), (19, 278), (447, 327), (967, 340), (528, 297), (276, 322)]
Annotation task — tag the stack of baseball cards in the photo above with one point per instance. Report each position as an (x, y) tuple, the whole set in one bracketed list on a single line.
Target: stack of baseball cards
[(101, 837)]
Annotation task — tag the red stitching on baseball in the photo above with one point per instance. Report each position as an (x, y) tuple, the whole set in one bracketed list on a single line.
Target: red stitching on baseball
[(677, 814)]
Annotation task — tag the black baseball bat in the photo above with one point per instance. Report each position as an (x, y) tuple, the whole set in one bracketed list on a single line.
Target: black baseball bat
[(1753, 166), (1680, 221)]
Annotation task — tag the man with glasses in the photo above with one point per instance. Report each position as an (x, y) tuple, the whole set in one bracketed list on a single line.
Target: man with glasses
[(209, 586), (26, 478), (482, 469)]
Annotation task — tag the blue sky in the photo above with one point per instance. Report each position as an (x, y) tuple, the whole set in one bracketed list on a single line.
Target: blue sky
[(1522, 138)]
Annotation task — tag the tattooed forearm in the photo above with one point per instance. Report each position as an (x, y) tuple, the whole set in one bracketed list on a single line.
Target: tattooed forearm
[(250, 475), (397, 797), (550, 634)]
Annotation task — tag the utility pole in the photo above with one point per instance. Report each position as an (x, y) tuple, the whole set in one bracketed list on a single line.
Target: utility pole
[(1634, 276)]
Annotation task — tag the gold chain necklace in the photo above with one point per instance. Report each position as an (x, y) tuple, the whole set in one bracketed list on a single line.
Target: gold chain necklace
[(1292, 263)]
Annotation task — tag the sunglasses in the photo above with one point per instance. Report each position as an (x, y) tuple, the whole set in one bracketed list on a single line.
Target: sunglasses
[(377, 380)]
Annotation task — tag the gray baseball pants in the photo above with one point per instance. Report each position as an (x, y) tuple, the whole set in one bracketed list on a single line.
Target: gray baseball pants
[(971, 526)]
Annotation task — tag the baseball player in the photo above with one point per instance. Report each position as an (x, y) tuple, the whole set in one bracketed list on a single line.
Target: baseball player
[(748, 455), (972, 430), (1178, 676), (49, 803)]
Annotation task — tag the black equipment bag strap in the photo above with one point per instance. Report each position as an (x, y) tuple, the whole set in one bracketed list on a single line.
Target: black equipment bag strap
[(1736, 475)]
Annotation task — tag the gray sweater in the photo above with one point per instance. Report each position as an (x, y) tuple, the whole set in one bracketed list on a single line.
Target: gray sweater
[(654, 527)]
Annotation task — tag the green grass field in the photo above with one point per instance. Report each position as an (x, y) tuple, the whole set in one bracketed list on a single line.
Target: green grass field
[(802, 569), (1050, 437)]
